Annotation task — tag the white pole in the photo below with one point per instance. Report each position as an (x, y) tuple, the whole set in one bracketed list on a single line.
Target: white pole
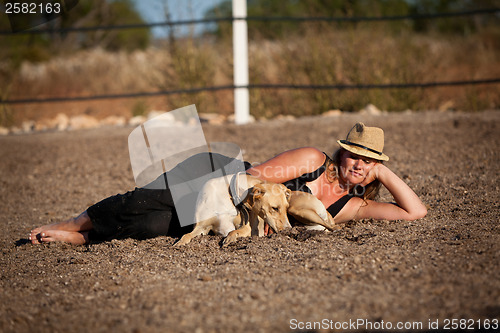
[(240, 60)]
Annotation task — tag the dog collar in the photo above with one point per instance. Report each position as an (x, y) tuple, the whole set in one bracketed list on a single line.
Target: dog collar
[(238, 201)]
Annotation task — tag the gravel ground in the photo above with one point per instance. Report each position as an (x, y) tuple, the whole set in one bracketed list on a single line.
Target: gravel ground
[(444, 266)]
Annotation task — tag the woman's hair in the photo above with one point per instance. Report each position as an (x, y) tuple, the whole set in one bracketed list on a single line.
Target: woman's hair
[(371, 190)]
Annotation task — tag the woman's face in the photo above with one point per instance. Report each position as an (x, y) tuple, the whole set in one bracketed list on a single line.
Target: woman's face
[(354, 168)]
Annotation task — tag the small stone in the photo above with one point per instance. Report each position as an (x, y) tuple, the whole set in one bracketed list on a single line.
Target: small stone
[(205, 278), (83, 122), (371, 109), (332, 113), (28, 126), (113, 121), (137, 120)]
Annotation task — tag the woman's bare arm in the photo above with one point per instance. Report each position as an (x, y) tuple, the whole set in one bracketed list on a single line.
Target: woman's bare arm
[(289, 165), (408, 205)]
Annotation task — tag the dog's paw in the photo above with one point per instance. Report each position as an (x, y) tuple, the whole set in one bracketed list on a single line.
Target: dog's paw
[(323, 214), (336, 227), (183, 241), (230, 239)]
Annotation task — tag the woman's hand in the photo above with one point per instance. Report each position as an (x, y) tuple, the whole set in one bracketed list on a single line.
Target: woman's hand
[(373, 174), (408, 205)]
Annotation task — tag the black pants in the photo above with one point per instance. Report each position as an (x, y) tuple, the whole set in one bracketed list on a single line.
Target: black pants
[(141, 213), (149, 212)]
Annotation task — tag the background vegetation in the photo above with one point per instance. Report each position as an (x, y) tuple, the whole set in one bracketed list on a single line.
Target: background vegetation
[(322, 53), (360, 8)]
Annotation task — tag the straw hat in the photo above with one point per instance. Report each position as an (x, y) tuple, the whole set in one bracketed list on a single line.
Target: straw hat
[(365, 141)]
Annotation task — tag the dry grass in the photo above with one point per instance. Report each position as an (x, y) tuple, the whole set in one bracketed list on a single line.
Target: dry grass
[(357, 56)]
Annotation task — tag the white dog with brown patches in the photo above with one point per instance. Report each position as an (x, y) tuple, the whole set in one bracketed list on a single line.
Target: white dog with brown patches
[(264, 202)]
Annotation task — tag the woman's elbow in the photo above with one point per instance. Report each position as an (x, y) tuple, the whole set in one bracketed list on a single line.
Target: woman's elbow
[(417, 214)]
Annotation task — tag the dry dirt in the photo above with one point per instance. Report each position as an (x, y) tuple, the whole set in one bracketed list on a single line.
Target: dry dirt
[(442, 267)]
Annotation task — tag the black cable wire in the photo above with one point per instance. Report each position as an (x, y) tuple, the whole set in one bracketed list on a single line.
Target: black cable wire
[(257, 18), (376, 86), (114, 96), (375, 18), (255, 86), (252, 86)]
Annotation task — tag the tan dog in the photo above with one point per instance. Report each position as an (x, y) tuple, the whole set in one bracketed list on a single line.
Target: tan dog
[(266, 203), (309, 210)]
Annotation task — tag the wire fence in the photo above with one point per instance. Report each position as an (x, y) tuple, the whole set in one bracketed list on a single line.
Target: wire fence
[(257, 19), (252, 86), (256, 86)]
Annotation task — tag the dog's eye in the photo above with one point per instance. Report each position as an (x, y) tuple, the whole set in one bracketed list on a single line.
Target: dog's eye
[(276, 209)]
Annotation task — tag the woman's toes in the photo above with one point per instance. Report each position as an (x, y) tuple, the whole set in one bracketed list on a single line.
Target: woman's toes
[(34, 238), (71, 237), (44, 237)]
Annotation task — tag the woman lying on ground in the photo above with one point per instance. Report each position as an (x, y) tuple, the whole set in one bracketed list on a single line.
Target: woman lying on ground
[(345, 184), (348, 183)]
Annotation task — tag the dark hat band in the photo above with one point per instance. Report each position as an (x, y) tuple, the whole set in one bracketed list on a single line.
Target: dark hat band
[(360, 146)]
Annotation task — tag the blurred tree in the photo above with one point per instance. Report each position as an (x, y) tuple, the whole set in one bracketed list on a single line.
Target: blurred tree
[(306, 8), (461, 24), (87, 13), (105, 13), (358, 8)]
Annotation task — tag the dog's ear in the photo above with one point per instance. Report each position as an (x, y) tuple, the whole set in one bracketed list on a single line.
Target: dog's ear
[(288, 194), (257, 193)]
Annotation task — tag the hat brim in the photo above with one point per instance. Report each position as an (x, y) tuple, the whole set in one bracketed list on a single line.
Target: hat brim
[(363, 152)]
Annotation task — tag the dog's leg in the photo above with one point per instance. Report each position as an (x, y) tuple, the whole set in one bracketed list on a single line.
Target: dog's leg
[(311, 217), (256, 225), (243, 231), (201, 228), (309, 210)]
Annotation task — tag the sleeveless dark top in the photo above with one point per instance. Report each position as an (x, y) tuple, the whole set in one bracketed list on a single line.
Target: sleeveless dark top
[(299, 184)]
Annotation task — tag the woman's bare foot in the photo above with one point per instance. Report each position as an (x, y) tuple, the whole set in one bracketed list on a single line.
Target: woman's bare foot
[(80, 223), (35, 234), (72, 237)]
